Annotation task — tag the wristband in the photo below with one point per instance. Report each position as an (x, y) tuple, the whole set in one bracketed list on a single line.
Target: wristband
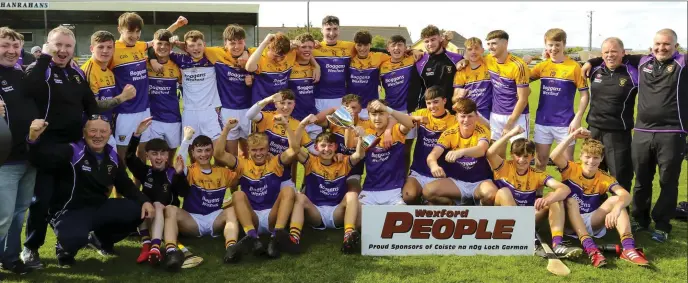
[(390, 110)]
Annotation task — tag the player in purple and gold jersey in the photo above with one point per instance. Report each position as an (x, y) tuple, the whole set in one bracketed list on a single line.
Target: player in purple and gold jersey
[(364, 71), (474, 81), (302, 83), (588, 213)]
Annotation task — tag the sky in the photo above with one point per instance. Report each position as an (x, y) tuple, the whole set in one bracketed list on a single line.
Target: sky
[(634, 22)]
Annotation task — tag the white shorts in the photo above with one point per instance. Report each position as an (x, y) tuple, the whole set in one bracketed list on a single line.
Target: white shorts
[(242, 130), (263, 221), (204, 122), (205, 223), (288, 183), (364, 114), (388, 197), (497, 122), (422, 179), (313, 131), (356, 177), (169, 132), (112, 142), (327, 103), (327, 216), (467, 189), (550, 134), (126, 125), (587, 219)]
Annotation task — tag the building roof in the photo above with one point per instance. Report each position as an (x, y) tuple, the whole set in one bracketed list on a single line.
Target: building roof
[(348, 32)]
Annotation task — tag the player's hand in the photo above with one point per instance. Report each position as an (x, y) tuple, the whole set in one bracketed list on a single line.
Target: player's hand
[(387, 139), (437, 171), (585, 70), (181, 21), (179, 164), (378, 106), (310, 119), (128, 93), (156, 66), (423, 120), (507, 127), (188, 133), (575, 124), (461, 64), (231, 123), (316, 74), (581, 133), (243, 58), (147, 210), (294, 44), (248, 79), (37, 128), (145, 123), (541, 203), (280, 120), (359, 131), (527, 59), (49, 48), (269, 37), (338, 157), (515, 131), (545, 54), (2, 109), (453, 155), (317, 45), (417, 54), (275, 98), (610, 220)]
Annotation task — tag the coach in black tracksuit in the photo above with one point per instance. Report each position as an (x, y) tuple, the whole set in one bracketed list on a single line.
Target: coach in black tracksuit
[(660, 136), (81, 202), (436, 69), (62, 96), (613, 89)]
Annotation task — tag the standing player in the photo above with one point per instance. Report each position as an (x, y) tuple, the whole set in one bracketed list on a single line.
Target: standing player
[(302, 84), (263, 202), (233, 84), (101, 79), (203, 187), (585, 209), (431, 122), (468, 175), (326, 202), (364, 72), (560, 77), (334, 56), (384, 177), (164, 102), (437, 67), (521, 185), (474, 81)]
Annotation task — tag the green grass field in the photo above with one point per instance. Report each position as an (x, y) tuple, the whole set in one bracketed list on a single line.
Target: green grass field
[(322, 261)]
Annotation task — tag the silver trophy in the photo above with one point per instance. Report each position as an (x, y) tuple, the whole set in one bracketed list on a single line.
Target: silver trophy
[(342, 118)]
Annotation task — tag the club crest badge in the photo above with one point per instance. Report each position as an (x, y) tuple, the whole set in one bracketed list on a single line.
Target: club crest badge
[(670, 68), (622, 82)]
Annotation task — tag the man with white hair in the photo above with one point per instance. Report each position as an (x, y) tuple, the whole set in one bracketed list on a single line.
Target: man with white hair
[(660, 130)]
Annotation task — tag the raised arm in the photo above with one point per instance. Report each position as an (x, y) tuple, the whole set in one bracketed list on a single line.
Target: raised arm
[(582, 106), (252, 63), (493, 154), (558, 155), (254, 114), (402, 118), (359, 154), (301, 155), (137, 167), (181, 21), (294, 146), (46, 156), (322, 117), (184, 147), (180, 183), (219, 152)]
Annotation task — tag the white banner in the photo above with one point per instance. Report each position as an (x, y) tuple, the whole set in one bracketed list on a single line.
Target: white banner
[(447, 230), (24, 5)]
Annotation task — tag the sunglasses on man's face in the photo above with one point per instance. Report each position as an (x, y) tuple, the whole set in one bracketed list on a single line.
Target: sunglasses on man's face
[(98, 117)]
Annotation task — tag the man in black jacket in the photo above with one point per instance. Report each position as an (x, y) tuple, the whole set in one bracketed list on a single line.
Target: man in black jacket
[(80, 203), (17, 176)]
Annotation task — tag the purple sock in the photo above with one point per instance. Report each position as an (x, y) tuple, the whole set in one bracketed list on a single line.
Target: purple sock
[(556, 240), (589, 245), (628, 243), (252, 233), (156, 242)]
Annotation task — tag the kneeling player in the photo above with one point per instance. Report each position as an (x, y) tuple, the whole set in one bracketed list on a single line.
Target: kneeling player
[(326, 203), (585, 212), (519, 185), (384, 174), (468, 175), (431, 123), (203, 189), (262, 202), (158, 187)]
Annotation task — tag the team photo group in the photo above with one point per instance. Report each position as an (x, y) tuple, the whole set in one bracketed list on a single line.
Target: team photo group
[(174, 138)]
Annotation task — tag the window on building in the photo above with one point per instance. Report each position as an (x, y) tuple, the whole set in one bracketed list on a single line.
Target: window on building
[(28, 36)]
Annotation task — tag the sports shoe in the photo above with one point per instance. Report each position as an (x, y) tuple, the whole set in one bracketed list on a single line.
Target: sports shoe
[(64, 259), (539, 251), (233, 253), (93, 241), (634, 256), (597, 259), (660, 236), (174, 259), (564, 251), (143, 256), (31, 258), (273, 248), (17, 267), (253, 244), (636, 227), (351, 241), (154, 256), (285, 242)]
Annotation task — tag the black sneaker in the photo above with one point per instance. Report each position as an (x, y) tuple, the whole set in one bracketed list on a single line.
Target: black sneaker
[(93, 241), (248, 243), (31, 258), (565, 251), (64, 259), (273, 248), (636, 227), (174, 260), (285, 242), (539, 251), (351, 241), (17, 267), (233, 253)]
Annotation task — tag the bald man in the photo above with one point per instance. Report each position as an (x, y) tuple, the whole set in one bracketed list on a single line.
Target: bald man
[(660, 130)]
